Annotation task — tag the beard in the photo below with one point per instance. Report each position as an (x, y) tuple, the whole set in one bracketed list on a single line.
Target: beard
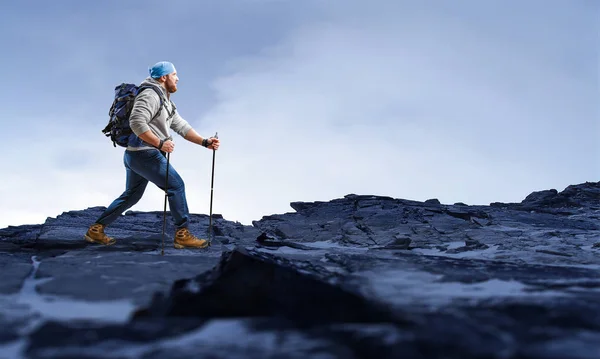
[(171, 88)]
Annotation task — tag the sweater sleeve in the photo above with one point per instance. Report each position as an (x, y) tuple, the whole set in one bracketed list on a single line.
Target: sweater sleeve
[(145, 107), (179, 125)]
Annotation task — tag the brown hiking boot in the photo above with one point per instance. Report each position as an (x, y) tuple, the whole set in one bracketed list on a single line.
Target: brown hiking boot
[(95, 234), (184, 239)]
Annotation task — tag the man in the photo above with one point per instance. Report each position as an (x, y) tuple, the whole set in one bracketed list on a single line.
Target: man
[(151, 118)]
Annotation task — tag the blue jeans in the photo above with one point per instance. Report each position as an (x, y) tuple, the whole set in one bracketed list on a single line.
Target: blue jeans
[(141, 167)]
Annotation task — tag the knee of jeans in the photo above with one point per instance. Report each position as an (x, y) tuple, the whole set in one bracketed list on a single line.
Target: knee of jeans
[(176, 185)]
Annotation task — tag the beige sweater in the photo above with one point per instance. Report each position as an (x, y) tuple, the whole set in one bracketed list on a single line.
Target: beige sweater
[(145, 108)]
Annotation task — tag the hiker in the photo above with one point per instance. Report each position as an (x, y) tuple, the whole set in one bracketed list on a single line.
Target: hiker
[(152, 115)]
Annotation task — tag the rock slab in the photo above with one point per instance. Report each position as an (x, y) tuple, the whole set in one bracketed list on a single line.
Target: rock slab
[(356, 277)]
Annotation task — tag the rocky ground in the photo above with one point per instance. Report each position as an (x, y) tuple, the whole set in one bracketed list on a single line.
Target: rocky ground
[(355, 277)]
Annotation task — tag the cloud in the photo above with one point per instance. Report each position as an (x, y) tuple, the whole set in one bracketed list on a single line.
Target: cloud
[(401, 109)]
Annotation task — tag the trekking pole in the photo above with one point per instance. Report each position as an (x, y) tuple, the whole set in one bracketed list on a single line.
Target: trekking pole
[(212, 180), (162, 252)]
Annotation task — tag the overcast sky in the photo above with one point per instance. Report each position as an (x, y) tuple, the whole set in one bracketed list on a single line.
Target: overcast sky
[(464, 101)]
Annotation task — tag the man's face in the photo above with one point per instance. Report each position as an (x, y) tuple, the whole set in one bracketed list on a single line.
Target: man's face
[(171, 82)]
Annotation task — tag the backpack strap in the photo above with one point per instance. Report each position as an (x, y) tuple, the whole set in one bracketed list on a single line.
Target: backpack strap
[(161, 99), (162, 103)]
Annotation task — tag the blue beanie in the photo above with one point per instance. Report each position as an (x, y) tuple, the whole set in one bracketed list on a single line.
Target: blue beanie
[(161, 69)]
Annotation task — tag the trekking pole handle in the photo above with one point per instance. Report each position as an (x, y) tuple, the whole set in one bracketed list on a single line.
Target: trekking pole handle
[(206, 139)]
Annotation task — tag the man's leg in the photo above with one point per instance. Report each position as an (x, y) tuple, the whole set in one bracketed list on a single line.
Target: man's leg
[(134, 189), (152, 165)]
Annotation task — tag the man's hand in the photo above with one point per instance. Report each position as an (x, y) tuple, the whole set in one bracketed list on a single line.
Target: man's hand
[(168, 146), (213, 143)]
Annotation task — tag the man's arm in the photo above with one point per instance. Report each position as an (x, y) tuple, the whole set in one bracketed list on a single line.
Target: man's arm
[(179, 125), (150, 137), (194, 137), (146, 105), (185, 130)]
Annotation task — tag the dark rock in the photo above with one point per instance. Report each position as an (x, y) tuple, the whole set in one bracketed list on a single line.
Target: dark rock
[(583, 195), (470, 245), (356, 277), (264, 237), (269, 241), (466, 215), (129, 276), (556, 253), (433, 201), (250, 284), (78, 339), (14, 268), (23, 233), (500, 205), (8, 335), (541, 197), (259, 294), (400, 242)]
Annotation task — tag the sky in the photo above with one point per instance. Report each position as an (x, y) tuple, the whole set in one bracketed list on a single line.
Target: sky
[(464, 101)]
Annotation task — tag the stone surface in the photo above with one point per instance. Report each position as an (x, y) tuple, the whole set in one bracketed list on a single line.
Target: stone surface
[(355, 277)]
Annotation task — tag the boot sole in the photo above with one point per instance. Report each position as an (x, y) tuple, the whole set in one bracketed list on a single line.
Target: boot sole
[(180, 246), (91, 240)]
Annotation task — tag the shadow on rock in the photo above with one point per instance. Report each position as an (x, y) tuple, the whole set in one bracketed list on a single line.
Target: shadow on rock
[(252, 284)]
